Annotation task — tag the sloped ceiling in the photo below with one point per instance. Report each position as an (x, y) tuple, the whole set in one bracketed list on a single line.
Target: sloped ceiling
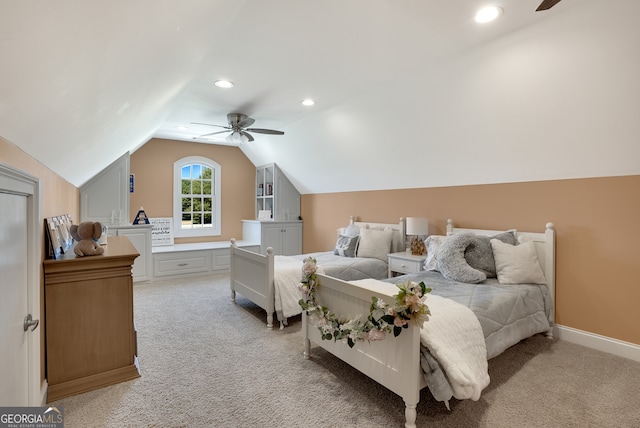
[(409, 93)]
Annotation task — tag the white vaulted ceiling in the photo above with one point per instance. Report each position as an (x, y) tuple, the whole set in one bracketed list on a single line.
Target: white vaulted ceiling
[(409, 93)]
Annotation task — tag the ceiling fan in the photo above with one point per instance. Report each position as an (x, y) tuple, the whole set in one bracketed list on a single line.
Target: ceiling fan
[(239, 127), (547, 4)]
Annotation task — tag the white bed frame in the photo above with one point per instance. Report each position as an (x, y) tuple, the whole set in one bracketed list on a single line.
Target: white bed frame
[(251, 274), (395, 361)]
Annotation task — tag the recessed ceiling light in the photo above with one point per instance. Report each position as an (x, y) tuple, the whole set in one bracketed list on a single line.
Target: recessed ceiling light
[(182, 127), (488, 14), (308, 102), (224, 84)]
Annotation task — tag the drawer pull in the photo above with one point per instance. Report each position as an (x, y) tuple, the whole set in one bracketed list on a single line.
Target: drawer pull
[(183, 264)]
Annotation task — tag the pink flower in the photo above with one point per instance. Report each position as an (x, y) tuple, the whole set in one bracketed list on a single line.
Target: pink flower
[(376, 334), (309, 267), (399, 322)]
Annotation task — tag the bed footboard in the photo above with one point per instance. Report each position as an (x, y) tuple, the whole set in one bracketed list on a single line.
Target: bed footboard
[(393, 362), (251, 275)]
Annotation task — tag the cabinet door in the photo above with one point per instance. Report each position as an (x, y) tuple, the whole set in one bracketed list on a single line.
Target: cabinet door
[(141, 239), (272, 237), (292, 239)]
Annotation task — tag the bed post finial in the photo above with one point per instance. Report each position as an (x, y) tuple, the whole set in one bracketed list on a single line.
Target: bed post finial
[(269, 251), (352, 219), (449, 228), (233, 242), (550, 226)]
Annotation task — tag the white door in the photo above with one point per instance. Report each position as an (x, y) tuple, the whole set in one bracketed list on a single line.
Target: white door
[(14, 341)]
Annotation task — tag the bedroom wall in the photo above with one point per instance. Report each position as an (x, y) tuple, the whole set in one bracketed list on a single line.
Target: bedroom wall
[(597, 221), (58, 197), (152, 165)]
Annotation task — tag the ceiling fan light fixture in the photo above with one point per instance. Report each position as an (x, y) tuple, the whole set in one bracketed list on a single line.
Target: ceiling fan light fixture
[(488, 14), (236, 138), (226, 84)]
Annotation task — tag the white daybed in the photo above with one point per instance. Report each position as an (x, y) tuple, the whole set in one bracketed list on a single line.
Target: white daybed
[(271, 281), (400, 363)]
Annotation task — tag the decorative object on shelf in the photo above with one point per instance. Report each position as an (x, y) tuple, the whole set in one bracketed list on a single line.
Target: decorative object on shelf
[(87, 234), (141, 217), (417, 227), (409, 307), (58, 239)]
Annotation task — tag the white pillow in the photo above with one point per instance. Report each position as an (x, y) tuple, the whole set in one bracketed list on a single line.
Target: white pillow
[(517, 264), (374, 243), (433, 244)]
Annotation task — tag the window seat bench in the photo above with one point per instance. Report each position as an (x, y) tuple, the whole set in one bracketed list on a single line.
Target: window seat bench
[(195, 258)]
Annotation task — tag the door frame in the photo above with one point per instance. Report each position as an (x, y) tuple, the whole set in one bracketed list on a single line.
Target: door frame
[(21, 183)]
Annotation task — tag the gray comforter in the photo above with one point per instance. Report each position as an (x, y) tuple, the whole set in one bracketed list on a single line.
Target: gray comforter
[(348, 268), (507, 314)]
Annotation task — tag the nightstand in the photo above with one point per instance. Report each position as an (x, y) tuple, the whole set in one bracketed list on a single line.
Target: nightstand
[(404, 262)]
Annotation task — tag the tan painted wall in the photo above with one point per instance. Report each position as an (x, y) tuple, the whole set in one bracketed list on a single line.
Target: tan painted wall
[(58, 197), (598, 230), (152, 165)]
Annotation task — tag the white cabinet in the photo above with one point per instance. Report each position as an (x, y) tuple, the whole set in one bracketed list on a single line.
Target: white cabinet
[(140, 237), (285, 237), (274, 192)]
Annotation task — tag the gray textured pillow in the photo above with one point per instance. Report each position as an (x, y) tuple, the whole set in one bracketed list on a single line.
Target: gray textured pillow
[(479, 253), (346, 246), (451, 261)]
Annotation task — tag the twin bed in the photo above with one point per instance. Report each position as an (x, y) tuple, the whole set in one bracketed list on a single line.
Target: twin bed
[(471, 321), (270, 281)]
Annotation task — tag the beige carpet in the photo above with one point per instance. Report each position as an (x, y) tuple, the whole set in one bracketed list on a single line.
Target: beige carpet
[(207, 362)]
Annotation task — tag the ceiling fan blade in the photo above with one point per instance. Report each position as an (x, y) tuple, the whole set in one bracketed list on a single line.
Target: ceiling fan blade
[(246, 134), (247, 121), (214, 133), (210, 124), (265, 131), (547, 4)]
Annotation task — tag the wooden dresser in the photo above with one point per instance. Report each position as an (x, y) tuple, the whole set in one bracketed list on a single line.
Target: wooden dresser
[(90, 334)]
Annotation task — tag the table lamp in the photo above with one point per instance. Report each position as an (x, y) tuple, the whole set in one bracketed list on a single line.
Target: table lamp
[(417, 227)]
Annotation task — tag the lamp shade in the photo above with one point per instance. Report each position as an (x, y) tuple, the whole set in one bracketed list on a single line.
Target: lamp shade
[(417, 226)]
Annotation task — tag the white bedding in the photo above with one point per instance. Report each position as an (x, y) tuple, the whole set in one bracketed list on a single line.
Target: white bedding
[(454, 337), (288, 273)]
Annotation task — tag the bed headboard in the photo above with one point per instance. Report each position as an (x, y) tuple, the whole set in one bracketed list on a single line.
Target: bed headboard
[(545, 243), (399, 235)]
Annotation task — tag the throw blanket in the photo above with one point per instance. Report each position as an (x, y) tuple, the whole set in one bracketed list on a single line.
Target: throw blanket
[(287, 274), (454, 338), (454, 356)]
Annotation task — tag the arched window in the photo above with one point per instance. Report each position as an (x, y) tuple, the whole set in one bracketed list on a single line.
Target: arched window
[(196, 197)]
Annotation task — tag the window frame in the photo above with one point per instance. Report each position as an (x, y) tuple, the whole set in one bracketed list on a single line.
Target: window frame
[(216, 229)]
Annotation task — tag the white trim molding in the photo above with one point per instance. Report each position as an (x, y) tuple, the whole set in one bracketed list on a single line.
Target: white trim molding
[(596, 341)]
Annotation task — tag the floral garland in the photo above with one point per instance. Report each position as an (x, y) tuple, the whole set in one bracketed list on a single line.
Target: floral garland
[(409, 307)]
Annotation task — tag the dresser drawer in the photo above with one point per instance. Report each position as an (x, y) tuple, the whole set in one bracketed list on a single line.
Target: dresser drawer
[(405, 266), (183, 263)]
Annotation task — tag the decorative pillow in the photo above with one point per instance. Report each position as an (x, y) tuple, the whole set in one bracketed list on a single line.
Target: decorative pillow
[(351, 230), (346, 246), (374, 243), (433, 243), (451, 261), (517, 264), (479, 254)]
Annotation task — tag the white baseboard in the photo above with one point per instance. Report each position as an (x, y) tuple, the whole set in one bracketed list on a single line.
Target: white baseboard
[(601, 343)]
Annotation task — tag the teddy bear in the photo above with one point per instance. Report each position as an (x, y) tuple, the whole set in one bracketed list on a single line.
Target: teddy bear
[(87, 234)]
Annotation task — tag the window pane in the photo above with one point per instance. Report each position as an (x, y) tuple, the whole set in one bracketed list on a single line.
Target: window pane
[(196, 170), (206, 172), (197, 204), (206, 204), (186, 187), (186, 205), (186, 172), (197, 219), (206, 187), (207, 219), (196, 187)]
